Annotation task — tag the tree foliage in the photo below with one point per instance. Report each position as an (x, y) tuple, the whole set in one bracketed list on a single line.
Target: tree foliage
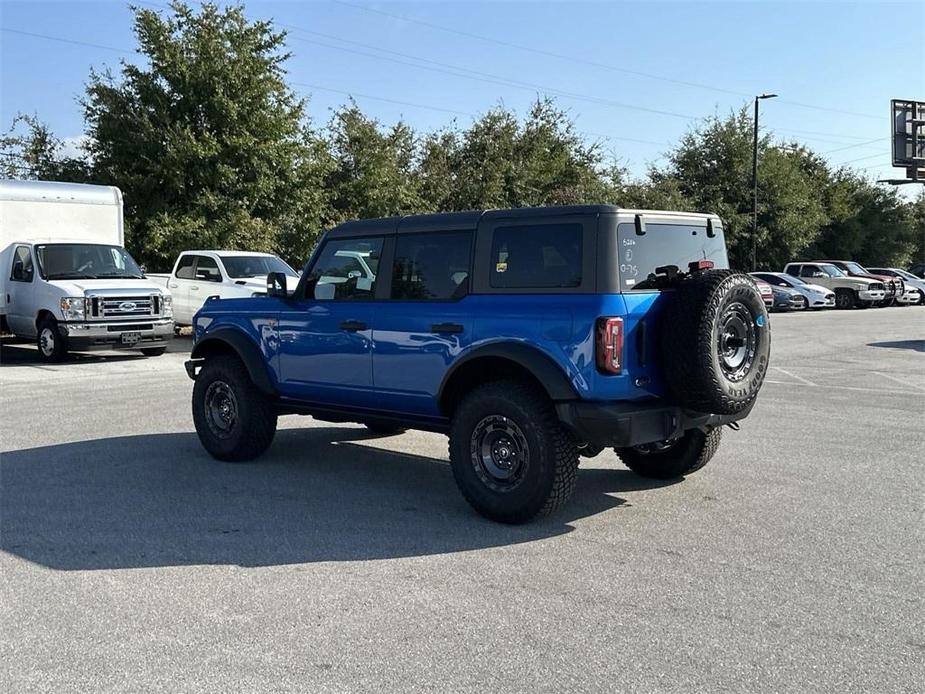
[(212, 149)]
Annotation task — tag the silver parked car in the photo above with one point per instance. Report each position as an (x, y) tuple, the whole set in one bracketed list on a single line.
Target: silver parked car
[(814, 295), (912, 282)]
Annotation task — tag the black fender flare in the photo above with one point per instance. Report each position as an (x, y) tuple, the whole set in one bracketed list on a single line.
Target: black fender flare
[(246, 350), (550, 375)]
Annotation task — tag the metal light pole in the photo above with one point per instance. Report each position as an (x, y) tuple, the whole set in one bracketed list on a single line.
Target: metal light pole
[(755, 185)]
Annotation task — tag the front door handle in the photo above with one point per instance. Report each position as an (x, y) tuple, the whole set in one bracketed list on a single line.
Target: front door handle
[(352, 326), (446, 328), (194, 288), (173, 285)]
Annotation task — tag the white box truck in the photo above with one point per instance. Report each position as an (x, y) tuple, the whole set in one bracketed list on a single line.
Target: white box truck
[(65, 279)]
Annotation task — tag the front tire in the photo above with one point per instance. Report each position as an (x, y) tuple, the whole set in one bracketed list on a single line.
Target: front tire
[(51, 343), (154, 351), (668, 460), (845, 299), (234, 420), (511, 457)]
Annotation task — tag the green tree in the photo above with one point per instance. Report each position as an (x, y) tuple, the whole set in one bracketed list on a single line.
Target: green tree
[(372, 167), (29, 150), (206, 141)]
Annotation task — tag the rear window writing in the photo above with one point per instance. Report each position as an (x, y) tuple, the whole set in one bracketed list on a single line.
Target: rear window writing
[(665, 244)]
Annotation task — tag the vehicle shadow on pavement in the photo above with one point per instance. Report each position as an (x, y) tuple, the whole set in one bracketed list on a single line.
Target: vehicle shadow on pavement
[(319, 494), (16, 352), (917, 345)]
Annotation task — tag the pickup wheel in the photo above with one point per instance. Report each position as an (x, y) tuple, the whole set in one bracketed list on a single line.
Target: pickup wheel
[(511, 457), (845, 298), (668, 460), (51, 343), (234, 420), (153, 351), (715, 342)]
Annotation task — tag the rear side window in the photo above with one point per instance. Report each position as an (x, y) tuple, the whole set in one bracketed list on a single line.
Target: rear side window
[(431, 265), (536, 257), (665, 244), (185, 268)]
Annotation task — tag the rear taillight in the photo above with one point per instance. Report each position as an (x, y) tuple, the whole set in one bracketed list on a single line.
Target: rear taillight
[(609, 353)]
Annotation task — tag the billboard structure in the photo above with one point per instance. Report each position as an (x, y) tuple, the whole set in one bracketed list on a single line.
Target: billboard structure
[(908, 138)]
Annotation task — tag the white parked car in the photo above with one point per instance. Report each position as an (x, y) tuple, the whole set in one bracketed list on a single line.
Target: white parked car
[(814, 295), (198, 275), (912, 282)]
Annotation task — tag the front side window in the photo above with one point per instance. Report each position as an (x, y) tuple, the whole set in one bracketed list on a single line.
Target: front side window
[(207, 269), (346, 269), (536, 256), (431, 265), (23, 270), (68, 261)]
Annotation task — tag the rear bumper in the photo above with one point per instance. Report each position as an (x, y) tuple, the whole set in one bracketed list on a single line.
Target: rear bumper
[(602, 425), (151, 333)]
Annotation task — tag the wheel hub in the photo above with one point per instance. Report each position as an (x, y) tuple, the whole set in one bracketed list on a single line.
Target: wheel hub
[(221, 407), (737, 343), (47, 341), (499, 453)]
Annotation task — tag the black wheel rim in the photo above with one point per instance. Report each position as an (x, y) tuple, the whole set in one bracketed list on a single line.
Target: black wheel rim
[(221, 407), (737, 342), (499, 452), (843, 300)]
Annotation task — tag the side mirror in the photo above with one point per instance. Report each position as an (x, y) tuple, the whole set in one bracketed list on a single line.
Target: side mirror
[(18, 271), (276, 284), (144, 270)]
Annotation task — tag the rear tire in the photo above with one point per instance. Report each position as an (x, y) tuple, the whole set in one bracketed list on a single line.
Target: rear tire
[(234, 420), (51, 343), (672, 460), (511, 457)]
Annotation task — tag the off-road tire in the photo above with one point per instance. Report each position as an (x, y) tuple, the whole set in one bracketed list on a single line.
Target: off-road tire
[(694, 338), (688, 454), (549, 476), (384, 429), (51, 343), (153, 351), (254, 423)]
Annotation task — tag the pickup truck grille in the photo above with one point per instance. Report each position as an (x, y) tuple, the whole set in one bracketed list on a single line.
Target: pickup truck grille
[(125, 306)]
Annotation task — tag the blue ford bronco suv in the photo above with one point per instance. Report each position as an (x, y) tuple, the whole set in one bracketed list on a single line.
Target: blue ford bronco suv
[(530, 336)]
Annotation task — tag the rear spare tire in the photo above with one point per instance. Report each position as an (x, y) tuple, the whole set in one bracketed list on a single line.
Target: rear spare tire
[(668, 460), (715, 342)]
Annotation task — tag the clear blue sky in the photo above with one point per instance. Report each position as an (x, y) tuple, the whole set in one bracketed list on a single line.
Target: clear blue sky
[(851, 57)]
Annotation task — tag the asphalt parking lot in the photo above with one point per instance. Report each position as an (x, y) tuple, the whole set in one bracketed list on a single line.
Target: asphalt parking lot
[(343, 562)]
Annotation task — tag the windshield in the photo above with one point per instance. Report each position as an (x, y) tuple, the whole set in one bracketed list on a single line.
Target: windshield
[(793, 280), (905, 275), (241, 266), (69, 261), (856, 269), (665, 244), (831, 270)]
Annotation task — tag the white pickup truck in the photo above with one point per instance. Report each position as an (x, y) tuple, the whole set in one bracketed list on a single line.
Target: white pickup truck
[(65, 279), (198, 275)]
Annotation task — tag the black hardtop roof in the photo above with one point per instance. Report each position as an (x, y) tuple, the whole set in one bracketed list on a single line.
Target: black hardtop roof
[(449, 221)]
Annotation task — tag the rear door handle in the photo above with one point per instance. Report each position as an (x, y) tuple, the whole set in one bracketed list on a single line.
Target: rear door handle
[(352, 325), (446, 328), (173, 285), (194, 288)]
